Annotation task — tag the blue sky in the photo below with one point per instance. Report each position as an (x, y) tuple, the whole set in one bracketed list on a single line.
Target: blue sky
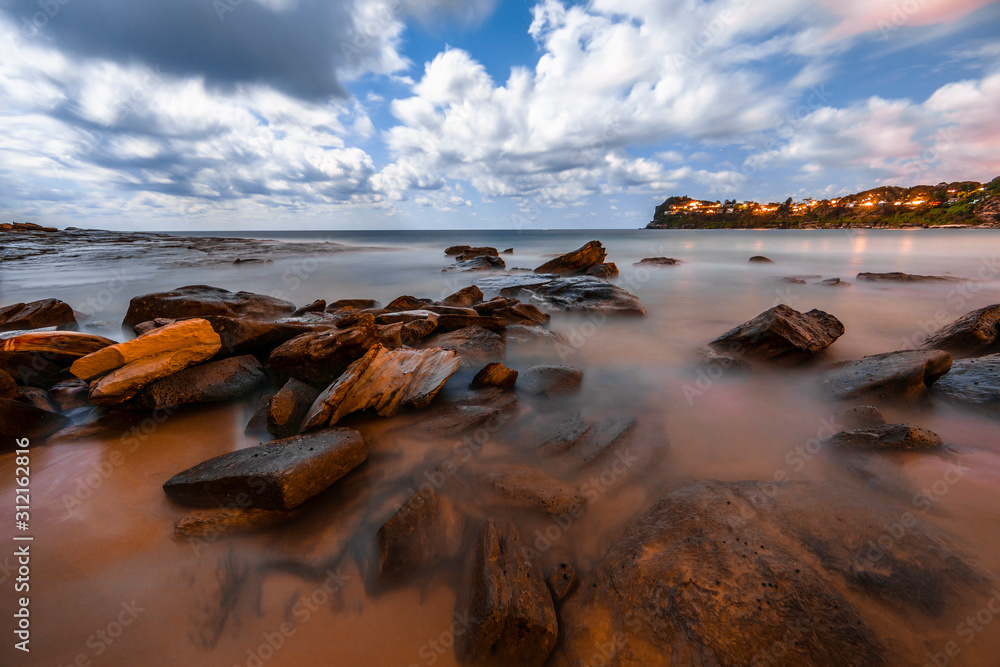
[(384, 114)]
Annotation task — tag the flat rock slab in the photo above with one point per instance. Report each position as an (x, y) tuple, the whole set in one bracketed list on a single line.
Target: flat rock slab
[(657, 261), (467, 296), (279, 475), (23, 420), (749, 573), (425, 530), (512, 620), (525, 488), (214, 382), (893, 376), (577, 261), (62, 345), (288, 407), (551, 380), (319, 358), (605, 437), (781, 335), (972, 383), (36, 315), (973, 333), (474, 345), (384, 380), (203, 300), (586, 294), (512, 284), (897, 277)]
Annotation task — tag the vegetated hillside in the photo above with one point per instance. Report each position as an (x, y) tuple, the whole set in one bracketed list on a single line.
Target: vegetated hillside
[(958, 203)]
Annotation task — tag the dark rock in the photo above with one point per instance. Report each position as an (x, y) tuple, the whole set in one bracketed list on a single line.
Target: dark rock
[(587, 294), (603, 438), (714, 363), (240, 336), (524, 488), (888, 436), (753, 573), (606, 270), (317, 306), (794, 280), (216, 381), (279, 475), (452, 322), (511, 285), (972, 383), (467, 296), (36, 315), (9, 388), (893, 376), (577, 261), (474, 345), (425, 530), (760, 259), (19, 419), (657, 261), (554, 433), (551, 380), (288, 407), (258, 421), (495, 375), (973, 333), (861, 416), (38, 398), (470, 250), (407, 302), (561, 581), (203, 300), (834, 282), (512, 620), (512, 311), (319, 358), (898, 277), (508, 251), (478, 263), (351, 304), (477, 251), (146, 327), (782, 335)]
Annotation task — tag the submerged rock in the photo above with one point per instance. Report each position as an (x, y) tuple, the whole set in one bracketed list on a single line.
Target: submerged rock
[(760, 259), (893, 376), (781, 334), (896, 276), (973, 333), (318, 358), (606, 270), (551, 380), (525, 488), (203, 300), (972, 383), (834, 282), (37, 315), (657, 261), (512, 620), (586, 294), (425, 530), (577, 261), (495, 375), (216, 381), (888, 436), (19, 419), (475, 346), (384, 380), (605, 437), (279, 475)]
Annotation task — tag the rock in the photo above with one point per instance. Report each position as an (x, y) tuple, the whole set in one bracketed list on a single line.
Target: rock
[(888, 436), (475, 346), (508, 251), (861, 416), (972, 383), (973, 333), (240, 336), (512, 620), (279, 475), (320, 357), (536, 341), (110, 426), (384, 380), (146, 327), (19, 419), (455, 414), (467, 296), (36, 315), (406, 333), (223, 520), (657, 261), (203, 300), (453, 322), (479, 263), (760, 259), (794, 280), (511, 285), (577, 261), (561, 581), (351, 304), (525, 488), (551, 380), (258, 421), (781, 335), (399, 316), (606, 270), (38, 398), (752, 573), (470, 250), (554, 433), (9, 388), (834, 282), (495, 375), (288, 407), (317, 306), (478, 251), (587, 294), (608, 435), (896, 276), (512, 311), (216, 381), (407, 303), (713, 362), (61, 345), (425, 530), (893, 376)]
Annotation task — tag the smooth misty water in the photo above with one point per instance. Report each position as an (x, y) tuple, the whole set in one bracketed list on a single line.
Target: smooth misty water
[(115, 544)]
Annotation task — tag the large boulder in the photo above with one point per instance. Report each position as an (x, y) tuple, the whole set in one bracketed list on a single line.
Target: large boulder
[(384, 380), (318, 358), (511, 617), (475, 346), (467, 296), (781, 335), (216, 381), (977, 332), (279, 475), (42, 358), (203, 300), (577, 261), (753, 573), (586, 294), (972, 383), (36, 315), (890, 377), (551, 380)]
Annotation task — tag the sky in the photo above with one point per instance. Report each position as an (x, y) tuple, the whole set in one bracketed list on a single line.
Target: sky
[(441, 114)]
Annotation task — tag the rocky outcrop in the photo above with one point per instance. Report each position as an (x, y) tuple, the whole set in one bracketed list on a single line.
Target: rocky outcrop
[(904, 437), (20, 419), (760, 259), (974, 333), (891, 377), (781, 335), (495, 375), (972, 383), (752, 573), (37, 315), (897, 277), (288, 408), (318, 358), (203, 300), (551, 380), (279, 475), (216, 381), (465, 251), (512, 284), (586, 294), (384, 380), (512, 620), (475, 346), (480, 263), (605, 271), (577, 261), (425, 530)]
